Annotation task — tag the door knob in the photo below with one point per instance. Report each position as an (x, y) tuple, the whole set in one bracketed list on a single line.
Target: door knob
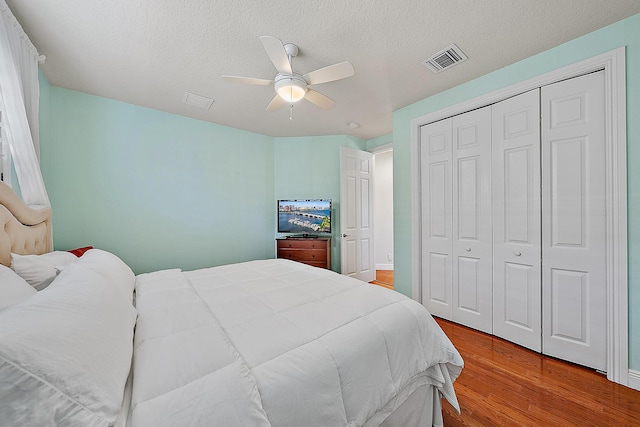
[(468, 249), (518, 253), (346, 235)]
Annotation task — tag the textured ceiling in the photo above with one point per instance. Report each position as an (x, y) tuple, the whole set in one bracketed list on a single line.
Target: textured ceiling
[(149, 52)]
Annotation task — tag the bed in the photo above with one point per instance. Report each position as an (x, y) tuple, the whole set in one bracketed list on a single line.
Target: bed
[(260, 343)]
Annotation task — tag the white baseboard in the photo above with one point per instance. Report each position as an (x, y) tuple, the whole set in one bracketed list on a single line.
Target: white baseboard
[(634, 379), (384, 266)]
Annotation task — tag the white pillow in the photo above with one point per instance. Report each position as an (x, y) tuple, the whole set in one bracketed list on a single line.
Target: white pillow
[(40, 270), (104, 262), (65, 353), (13, 288)]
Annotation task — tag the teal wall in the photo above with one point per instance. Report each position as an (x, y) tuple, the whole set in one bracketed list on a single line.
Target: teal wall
[(157, 189), (309, 168), (161, 190), (626, 32), (379, 141), (44, 122)]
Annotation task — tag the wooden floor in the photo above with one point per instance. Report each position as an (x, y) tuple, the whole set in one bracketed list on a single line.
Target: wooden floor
[(384, 278), (503, 384)]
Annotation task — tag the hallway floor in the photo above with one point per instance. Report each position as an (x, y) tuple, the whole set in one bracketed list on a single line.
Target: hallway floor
[(384, 278)]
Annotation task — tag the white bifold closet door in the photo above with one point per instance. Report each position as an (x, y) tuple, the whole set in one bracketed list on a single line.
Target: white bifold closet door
[(456, 232), (472, 281), (437, 218), (574, 295), (513, 219), (516, 220)]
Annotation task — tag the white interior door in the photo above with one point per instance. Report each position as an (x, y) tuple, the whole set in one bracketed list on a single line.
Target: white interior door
[(472, 240), (517, 258), (436, 217), (573, 226), (356, 214)]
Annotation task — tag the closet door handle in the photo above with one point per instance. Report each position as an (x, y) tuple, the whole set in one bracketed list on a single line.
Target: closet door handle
[(468, 249), (518, 253)]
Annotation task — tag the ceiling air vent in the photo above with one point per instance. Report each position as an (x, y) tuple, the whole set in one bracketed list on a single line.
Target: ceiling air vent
[(444, 59), (197, 100)]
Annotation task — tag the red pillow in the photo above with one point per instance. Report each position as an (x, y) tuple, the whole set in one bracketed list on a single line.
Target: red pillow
[(78, 252)]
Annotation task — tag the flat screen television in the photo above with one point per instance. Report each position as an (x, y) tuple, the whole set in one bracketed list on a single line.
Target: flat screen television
[(307, 217)]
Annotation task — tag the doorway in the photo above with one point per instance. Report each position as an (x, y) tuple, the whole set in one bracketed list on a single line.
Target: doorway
[(383, 215)]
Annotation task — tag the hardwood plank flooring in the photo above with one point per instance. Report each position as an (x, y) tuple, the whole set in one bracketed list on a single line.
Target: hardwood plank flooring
[(503, 384), (384, 278)]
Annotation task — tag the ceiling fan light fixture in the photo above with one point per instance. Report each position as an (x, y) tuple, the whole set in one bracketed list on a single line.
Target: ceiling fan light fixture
[(291, 88)]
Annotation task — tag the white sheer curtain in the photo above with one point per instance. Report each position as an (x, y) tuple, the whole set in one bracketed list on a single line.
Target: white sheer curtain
[(19, 101)]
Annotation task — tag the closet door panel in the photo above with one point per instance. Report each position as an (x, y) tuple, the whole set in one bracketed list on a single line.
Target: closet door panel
[(574, 270), (516, 220), (469, 170), (568, 186), (439, 210), (519, 279), (469, 285), (517, 182), (472, 276), (439, 278), (436, 211)]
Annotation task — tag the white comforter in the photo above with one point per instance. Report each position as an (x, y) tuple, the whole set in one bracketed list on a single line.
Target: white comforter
[(279, 343)]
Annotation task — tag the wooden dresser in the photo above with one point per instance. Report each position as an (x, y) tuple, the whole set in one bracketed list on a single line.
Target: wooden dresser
[(312, 251)]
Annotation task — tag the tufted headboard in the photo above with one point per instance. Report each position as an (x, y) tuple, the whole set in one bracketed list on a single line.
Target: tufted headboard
[(24, 230)]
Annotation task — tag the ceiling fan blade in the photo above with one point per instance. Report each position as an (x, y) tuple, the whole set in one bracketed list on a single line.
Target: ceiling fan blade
[(319, 99), (277, 54), (247, 80), (276, 103), (331, 73)]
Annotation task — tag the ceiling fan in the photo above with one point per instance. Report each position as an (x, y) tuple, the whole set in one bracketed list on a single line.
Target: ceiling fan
[(290, 86)]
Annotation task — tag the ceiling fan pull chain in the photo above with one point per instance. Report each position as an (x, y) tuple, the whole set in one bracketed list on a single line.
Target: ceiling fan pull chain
[(290, 112)]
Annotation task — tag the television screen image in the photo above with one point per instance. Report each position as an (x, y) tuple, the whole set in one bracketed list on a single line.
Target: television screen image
[(304, 216)]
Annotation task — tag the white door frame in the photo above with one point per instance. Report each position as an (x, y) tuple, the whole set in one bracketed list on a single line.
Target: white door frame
[(613, 64)]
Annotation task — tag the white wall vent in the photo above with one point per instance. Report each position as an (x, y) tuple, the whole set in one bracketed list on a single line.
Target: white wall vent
[(444, 59), (197, 100)]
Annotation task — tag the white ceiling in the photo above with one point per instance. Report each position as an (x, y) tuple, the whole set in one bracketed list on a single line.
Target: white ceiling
[(149, 52)]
